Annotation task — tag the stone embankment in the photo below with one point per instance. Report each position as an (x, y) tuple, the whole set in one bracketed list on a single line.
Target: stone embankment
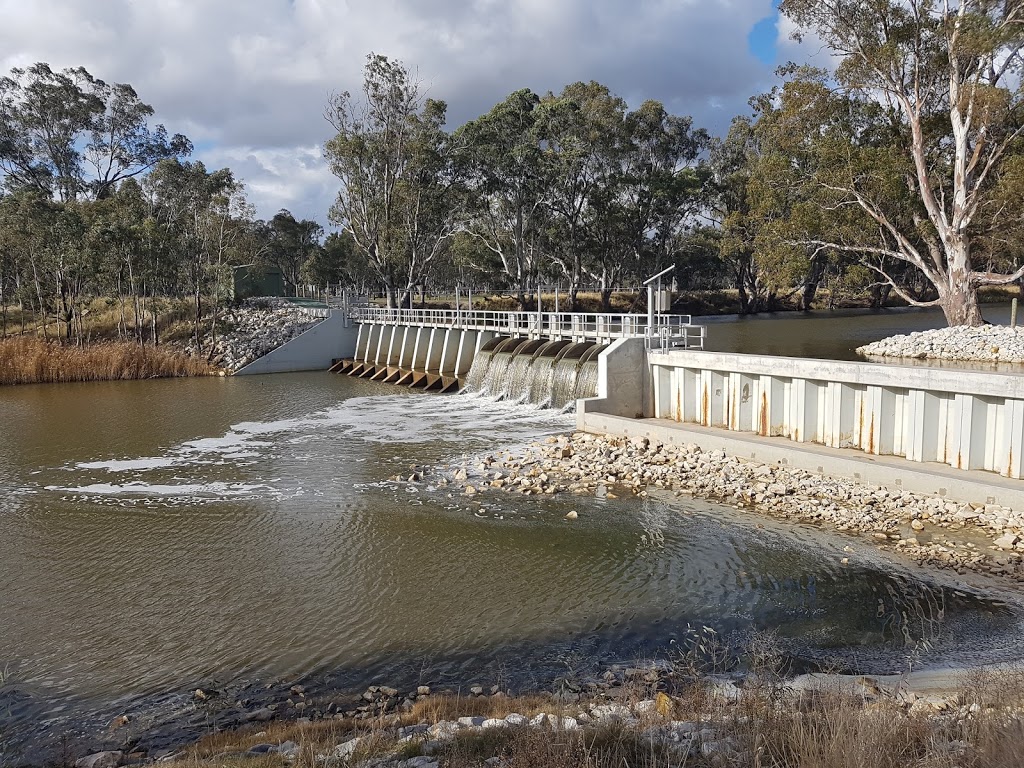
[(986, 343), (671, 710), (255, 328), (930, 530)]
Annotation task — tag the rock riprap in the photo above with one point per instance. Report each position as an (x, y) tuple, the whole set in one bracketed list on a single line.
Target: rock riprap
[(930, 530), (986, 343), (255, 328)]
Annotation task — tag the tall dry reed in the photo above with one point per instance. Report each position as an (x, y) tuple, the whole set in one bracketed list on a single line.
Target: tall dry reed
[(29, 360)]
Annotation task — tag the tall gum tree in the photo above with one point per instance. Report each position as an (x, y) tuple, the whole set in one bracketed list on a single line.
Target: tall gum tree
[(950, 73), (398, 196)]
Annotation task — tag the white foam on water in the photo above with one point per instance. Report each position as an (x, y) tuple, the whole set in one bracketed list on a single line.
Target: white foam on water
[(149, 489), (130, 465), (465, 421)]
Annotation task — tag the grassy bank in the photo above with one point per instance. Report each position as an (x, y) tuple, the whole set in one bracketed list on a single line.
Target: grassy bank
[(29, 360), (827, 723)]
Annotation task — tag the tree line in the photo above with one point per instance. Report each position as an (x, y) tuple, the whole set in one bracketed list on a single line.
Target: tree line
[(98, 202), (899, 170)]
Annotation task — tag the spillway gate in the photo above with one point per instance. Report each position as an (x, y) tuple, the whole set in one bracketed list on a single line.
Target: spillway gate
[(436, 348)]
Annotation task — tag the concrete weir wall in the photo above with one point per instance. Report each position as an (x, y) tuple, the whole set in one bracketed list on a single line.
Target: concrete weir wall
[(415, 353), (961, 419)]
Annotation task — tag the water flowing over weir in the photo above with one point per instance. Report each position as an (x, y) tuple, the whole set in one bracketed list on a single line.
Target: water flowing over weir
[(546, 373)]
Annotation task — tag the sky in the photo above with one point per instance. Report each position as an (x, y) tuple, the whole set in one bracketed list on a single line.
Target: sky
[(247, 80)]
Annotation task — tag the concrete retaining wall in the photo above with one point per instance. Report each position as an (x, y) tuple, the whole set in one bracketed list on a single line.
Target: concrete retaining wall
[(964, 419), (313, 350)]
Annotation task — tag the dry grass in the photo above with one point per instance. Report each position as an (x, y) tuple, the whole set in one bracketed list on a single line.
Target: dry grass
[(27, 360), (835, 726)]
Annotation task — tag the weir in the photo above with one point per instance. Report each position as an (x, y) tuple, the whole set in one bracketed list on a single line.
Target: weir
[(548, 358)]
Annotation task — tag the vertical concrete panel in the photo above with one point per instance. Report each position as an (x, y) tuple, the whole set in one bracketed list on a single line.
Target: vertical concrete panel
[(745, 407), (772, 406), (719, 399), (885, 432), (395, 345), (435, 347), (365, 329), (406, 349), (449, 351), (914, 425), (421, 340), (690, 386), (374, 345), (803, 410), (962, 416), (380, 355), (812, 432), (901, 398), (467, 350), (663, 392), (995, 445), (1015, 446), (704, 390)]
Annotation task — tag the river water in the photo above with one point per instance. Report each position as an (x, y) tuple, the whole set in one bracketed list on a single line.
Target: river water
[(160, 536)]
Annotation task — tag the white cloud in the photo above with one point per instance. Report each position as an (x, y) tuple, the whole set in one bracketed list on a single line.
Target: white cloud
[(247, 80)]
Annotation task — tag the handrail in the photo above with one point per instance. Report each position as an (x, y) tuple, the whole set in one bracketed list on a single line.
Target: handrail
[(668, 331)]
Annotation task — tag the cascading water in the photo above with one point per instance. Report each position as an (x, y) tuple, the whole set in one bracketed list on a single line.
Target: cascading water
[(516, 384), (534, 377), (478, 372), (495, 375), (564, 378), (540, 380)]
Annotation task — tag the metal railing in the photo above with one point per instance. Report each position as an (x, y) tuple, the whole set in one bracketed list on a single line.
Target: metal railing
[(668, 331)]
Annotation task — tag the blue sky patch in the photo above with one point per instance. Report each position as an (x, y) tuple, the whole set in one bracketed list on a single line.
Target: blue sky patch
[(762, 37)]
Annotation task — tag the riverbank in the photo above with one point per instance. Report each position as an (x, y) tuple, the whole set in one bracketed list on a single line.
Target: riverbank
[(31, 360), (985, 343), (251, 330), (246, 332), (675, 714), (977, 537)]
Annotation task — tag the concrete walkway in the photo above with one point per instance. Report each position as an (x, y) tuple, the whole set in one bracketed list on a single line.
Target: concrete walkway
[(894, 472)]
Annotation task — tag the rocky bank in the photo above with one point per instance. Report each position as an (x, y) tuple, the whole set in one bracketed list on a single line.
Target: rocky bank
[(253, 329), (662, 712), (930, 530), (986, 343)]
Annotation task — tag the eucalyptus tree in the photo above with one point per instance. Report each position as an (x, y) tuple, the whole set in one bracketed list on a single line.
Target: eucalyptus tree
[(508, 179), (582, 130), (399, 197), (70, 135), (947, 73), (192, 204), (292, 244)]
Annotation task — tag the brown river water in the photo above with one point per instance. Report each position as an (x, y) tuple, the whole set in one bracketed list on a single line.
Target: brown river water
[(165, 535)]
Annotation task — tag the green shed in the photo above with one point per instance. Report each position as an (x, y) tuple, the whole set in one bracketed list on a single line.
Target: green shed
[(256, 280)]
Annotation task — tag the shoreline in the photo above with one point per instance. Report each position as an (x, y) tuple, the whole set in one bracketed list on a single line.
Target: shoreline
[(674, 712), (964, 537)]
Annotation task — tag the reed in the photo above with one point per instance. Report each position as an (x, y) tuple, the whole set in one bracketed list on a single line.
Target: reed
[(29, 360)]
